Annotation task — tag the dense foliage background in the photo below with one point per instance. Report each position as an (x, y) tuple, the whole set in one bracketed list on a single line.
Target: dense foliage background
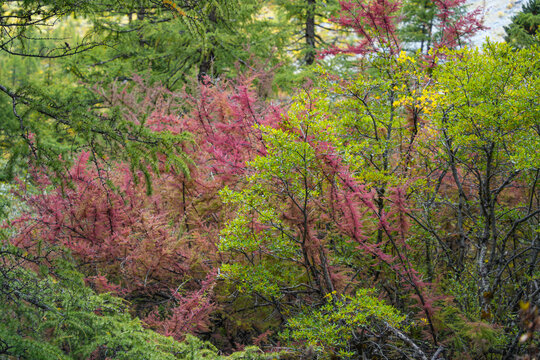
[(307, 179)]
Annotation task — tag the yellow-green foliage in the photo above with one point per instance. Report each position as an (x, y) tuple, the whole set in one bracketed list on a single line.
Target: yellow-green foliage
[(491, 97), (268, 253), (336, 326)]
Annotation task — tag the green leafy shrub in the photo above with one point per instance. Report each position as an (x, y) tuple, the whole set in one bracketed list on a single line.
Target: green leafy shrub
[(343, 325)]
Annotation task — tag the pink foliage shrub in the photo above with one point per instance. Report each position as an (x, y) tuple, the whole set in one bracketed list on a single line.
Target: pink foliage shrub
[(158, 250)]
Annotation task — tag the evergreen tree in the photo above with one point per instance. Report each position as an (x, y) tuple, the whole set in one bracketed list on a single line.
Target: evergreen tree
[(524, 26), (49, 114), (419, 17), (305, 20), (51, 314), (173, 48)]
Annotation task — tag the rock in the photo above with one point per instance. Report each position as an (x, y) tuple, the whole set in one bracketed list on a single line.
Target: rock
[(497, 14)]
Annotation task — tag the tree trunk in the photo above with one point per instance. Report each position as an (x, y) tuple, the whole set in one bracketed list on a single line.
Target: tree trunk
[(205, 67), (310, 32), (208, 56)]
